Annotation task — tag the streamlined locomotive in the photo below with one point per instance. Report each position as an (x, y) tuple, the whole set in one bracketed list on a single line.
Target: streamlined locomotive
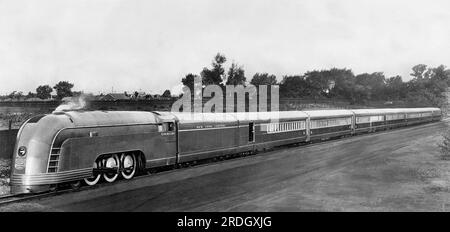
[(89, 146)]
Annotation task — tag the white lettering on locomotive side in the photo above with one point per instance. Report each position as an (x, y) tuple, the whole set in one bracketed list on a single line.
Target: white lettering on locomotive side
[(167, 133)]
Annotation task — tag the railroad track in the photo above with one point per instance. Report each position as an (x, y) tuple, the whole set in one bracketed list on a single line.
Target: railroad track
[(11, 198), (15, 198)]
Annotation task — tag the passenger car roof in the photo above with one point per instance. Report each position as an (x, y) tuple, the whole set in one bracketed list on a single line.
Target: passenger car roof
[(237, 116), (328, 113), (255, 116)]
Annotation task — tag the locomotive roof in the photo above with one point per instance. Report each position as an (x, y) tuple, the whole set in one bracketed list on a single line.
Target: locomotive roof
[(107, 118)]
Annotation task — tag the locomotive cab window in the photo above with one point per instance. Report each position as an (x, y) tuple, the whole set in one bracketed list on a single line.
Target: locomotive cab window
[(170, 126), (167, 126)]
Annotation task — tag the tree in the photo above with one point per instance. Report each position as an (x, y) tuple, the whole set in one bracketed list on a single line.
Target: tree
[(15, 95), (188, 81), (395, 88), (77, 93), (63, 89), (263, 79), (344, 83), (419, 71), (318, 82), (44, 91), (294, 87), (236, 75), (167, 93), (373, 83), (215, 75), (360, 93), (30, 95), (440, 73), (428, 88)]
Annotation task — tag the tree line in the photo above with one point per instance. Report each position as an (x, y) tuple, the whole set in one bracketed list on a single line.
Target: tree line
[(62, 88), (426, 88)]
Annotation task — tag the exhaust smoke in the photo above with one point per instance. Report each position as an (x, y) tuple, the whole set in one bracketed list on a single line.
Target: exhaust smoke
[(76, 103)]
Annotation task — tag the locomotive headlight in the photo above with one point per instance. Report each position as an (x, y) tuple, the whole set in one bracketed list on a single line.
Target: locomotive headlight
[(22, 151)]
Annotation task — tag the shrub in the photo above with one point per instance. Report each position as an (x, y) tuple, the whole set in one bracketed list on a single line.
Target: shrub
[(5, 167), (445, 146)]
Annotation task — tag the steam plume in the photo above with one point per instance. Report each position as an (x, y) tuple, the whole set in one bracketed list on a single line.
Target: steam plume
[(75, 103)]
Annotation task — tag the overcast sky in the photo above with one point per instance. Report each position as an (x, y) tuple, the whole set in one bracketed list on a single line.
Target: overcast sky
[(151, 44)]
